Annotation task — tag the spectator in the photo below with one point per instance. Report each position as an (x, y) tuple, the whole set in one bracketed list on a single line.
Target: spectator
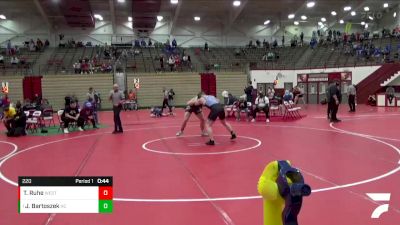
[(150, 43), (18, 123), (271, 93), (334, 97), (275, 44), (14, 60), (161, 63), (390, 94), (258, 43), (261, 104), (301, 38), (46, 43), (9, 47), (1, 59), (88, 111), (249, 92), (32, 46), (206, 47), (39, 45), (8, 117), (171, 95), (297, 94), (171, 63), (174, 43), (241, 106), (77, 67), (283, 40), (71, 115), (288, 96), (143, 43)]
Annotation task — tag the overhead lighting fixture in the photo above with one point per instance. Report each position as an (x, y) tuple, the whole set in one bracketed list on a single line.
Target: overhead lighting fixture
[(363, 23), (121, 1), (174, 1), (267, 22), (303, 17), (310, 4), (236, 3), (196, 18), (347, 8), (320, 23), (296, 23), (394, 14), (385, 5), (341, 21), (291, 16), (3, 17), (370, 17), (333, 13), (160, 18), (99, 17), (130, 19), (353, 13), (366, 8), (366, 26), (323, 19)]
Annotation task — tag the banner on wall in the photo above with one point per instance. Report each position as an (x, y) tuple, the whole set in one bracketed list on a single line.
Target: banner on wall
[(324, 77), (4, 87)]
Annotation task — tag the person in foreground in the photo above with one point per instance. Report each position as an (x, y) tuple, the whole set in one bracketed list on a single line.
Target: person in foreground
[(116, 97), (71, 115), (196, 109), (216, 111)]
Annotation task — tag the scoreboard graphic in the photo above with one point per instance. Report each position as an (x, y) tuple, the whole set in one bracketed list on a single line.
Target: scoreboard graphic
[(65, 195)]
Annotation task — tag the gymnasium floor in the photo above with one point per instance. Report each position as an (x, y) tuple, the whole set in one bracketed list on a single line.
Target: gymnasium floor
[(163, 180)]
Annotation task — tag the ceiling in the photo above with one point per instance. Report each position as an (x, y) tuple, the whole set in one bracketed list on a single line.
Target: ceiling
[(80, 13)]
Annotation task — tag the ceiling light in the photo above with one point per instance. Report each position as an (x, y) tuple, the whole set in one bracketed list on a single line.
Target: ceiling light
[(363, 23), (341, 21), (3, 17), (303, 17), (160, 18), (323, 19), (174, 1), (347, 8), (291, 16), (121, 1), (395, 14), (310, 4), (296, 23), (333, 13), (370, 17), (236, 3), (353, 13), (196, 18), (366, 8), (385, 5), (320, 23), (130, 19), (99, 17), (366, 26), (267, 22)]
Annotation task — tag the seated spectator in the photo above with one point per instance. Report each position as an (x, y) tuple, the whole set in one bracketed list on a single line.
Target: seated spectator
[(70, 115), (8, 117), (270, 93), (88, 111), (47, 43), (261, 104), (206, 47), (372, 100), (288, 96), (390, 94), (14, 60), (241, 106), (297, 94), (19, 122), (150, 43), (275, 44), (258, 43), (77, 67), (143, 43)]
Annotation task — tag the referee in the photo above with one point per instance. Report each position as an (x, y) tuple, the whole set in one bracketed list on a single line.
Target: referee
[(116, 97)]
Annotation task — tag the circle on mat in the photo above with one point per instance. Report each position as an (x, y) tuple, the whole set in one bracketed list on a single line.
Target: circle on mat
[(197, 144), (4, 154)]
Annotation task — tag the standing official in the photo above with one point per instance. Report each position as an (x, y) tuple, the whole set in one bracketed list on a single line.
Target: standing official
[(351, 92), (334, 100), (116, 97)]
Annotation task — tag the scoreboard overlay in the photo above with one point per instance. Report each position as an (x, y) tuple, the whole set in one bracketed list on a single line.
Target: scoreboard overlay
[(65, 194)]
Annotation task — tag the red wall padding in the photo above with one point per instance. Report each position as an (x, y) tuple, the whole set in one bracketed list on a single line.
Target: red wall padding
[(32, 86), (209, 83)]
